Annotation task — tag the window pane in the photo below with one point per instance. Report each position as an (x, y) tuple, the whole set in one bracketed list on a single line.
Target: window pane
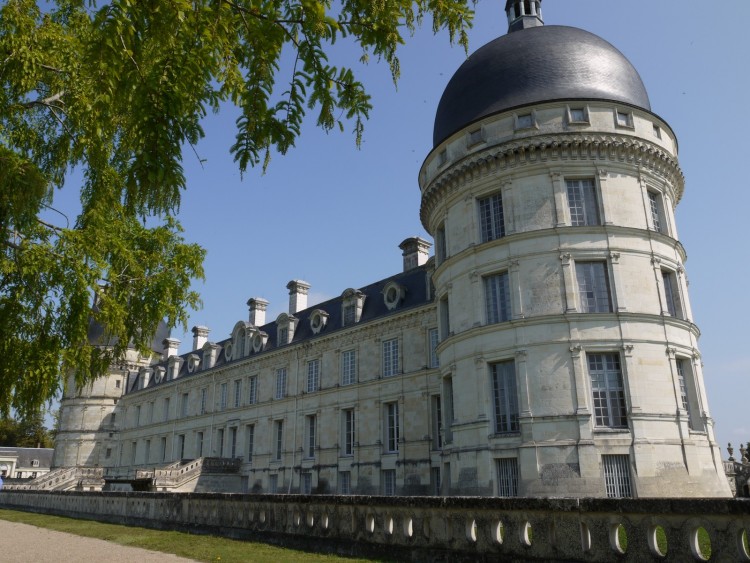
[(593, 287), (505, 396), (584, 209), (491, 219), (497, 297), (608, 391), (390, 357)]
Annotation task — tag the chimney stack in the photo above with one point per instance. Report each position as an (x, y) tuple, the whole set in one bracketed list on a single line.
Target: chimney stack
[(171, 345), (415, 252), (297, 295), (200, 336), (257, 307)]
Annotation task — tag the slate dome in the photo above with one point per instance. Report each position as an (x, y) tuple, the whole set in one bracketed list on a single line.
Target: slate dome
[(533, 65)]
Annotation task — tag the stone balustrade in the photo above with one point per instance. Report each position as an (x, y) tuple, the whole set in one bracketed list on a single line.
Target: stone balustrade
[(431, 528)]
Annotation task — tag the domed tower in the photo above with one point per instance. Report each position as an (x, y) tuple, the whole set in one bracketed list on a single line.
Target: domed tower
[(87, 431), (567, 340)]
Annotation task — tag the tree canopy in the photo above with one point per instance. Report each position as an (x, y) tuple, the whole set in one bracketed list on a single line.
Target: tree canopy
[(117, 91)]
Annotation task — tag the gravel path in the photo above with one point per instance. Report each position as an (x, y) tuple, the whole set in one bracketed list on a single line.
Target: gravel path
[(21, 543)]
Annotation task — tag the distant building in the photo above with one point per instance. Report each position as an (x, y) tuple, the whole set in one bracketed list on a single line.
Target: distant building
[(24, 463), (548, 348)]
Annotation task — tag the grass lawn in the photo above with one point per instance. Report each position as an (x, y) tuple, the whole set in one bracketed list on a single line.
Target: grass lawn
[(198, 547)]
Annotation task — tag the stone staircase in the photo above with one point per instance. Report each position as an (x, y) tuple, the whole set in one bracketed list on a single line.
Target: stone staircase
[(64, 479)]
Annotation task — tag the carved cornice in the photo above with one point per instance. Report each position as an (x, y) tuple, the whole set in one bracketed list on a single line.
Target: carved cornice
[(553, 148)]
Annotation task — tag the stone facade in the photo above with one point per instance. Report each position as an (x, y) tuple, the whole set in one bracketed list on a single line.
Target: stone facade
[(547, 351)]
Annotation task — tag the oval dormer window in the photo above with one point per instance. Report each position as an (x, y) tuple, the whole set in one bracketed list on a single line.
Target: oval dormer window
[(318, 320), (257, 343), (228, 351), (393, 293)]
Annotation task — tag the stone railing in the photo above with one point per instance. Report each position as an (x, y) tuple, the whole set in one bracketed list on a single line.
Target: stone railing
[(432, 528), (63, 479)]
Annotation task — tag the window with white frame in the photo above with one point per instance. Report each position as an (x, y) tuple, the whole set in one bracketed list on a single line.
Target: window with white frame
[(672, 294), (491, 218), (348, 367), (223, 393), (306, 483), (349, 311), (313, 375), (345, 482), (347, 429), (624, 119), (507, 476), (656, 210), (283, 336), (204, 396), (608, 390), (617, 476), (237, 392), (279, 438), (389, 482), (497, 298), (433, 339), (593, 287), (184, 403), (250, 439), (252, 390), (390, 357), (582, 202), (392, 430), (352, 303), (505, 396), (280, 383), (310, 427)]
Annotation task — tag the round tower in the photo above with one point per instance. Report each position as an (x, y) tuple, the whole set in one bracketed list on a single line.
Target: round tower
[(568, 350)]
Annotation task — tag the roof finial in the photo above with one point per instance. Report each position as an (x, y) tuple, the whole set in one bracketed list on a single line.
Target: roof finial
[(523, 14)]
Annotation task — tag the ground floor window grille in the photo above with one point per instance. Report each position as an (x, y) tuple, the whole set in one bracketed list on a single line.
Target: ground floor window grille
[(345, 483), (507, 477), (389, 482), (617, 475)]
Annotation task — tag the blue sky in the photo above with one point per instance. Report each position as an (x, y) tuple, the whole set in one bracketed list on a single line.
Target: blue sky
[(334, 215)]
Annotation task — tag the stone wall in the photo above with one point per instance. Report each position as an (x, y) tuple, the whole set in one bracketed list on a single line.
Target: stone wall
[(427, 528)]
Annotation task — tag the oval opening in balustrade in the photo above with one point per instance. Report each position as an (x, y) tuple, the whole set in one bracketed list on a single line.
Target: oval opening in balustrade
[(618, 538), (498, 531), (262, 517), (324, 521), (471, 530), (700, 544), (657, 541), (370, 523), (296, 518), (526, 534), (388, 525), (408, 527), (585, 538), (742, 545), (310, 519)]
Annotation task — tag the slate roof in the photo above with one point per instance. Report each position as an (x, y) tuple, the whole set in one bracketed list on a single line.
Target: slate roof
[(538, 64), (414, 281), (25, 455)]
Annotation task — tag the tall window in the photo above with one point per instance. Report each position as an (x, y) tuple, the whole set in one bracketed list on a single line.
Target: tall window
[(181, 446), (166, 409), (280, 383), (682, 375), (505, 396), (273, 484), (507, 477), (348, 431), (199, 444), (654, 202), (163, 448), (220, 442), (184, 404), (437, 423), (672, 294), (435, 480), (204, 394), (279, 436), (250, 436), (349, 314), (283, 336), (593, 287), (433, 338), (306, 483), (617, 475), (390, 357), (607, 388), (391, 427), (310, 436), (584, 208), (137, 415), (440, 244), (133, 452), (252, 390), (148, 451), (497, 298), (348, 367), (237, 392), (345, 482), (389, 482), (223, 391), (491, 219), (313, 375)]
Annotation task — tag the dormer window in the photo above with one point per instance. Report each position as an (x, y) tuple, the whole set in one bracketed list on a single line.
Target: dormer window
[(34, 463), (352, 302), (578, 115), (259, 341), (474, 137), (159, 372), (210, 354), (525, 121), (624, 119), (175, 363), (318, 320), (285, 329), (193, 360), (442, 157), (393, 293)]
